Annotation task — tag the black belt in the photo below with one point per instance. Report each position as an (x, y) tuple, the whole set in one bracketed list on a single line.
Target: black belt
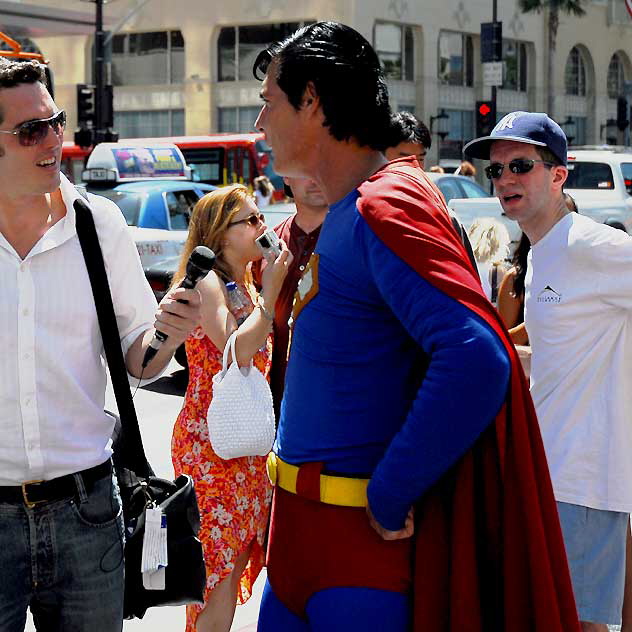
[(32, 493)]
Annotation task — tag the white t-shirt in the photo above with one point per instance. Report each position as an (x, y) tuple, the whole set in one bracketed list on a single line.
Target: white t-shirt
[(578, 312), (52, 369)]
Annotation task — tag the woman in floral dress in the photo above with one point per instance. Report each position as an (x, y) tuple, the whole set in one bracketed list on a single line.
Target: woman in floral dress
[(233, 495)]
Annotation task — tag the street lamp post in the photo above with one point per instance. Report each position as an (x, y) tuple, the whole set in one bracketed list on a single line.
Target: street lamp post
[(99, 74), (102, 129)]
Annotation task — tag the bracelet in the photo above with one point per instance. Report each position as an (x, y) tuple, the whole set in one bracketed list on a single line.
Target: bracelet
[(264, 310)]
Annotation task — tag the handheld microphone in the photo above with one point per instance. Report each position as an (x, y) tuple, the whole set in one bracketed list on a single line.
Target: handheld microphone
[(200, 263)]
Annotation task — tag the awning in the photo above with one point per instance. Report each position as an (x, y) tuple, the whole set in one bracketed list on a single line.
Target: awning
[(33, 20)]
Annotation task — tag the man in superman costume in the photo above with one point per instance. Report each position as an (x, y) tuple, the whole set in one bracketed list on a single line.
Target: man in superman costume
[(412, 491)]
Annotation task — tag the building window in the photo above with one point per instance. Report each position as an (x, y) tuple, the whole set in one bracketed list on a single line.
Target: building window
[(580, 130), (515, 57), (456, 59), (241, 119), (149, 123), (575, 73), (616, 76), (238, 47), (154, 58), (460, 131), (395, 48)]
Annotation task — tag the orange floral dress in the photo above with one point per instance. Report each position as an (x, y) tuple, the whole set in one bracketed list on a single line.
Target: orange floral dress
[(233, 495)]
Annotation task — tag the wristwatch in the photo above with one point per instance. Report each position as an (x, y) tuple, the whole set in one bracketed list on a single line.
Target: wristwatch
[(269, 314)]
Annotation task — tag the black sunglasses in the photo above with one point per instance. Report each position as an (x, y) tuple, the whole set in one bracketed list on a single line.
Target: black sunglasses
[(518, 165), (253, 220), (34, 132)]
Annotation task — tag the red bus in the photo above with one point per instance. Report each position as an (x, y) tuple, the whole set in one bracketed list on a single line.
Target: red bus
[(217, 159), (73, 160)]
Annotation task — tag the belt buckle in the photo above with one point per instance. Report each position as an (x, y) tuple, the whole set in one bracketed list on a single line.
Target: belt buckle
[(27, 502)]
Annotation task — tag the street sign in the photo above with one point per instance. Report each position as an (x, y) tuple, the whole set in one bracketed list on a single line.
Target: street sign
[(492, 41), (493, 73)]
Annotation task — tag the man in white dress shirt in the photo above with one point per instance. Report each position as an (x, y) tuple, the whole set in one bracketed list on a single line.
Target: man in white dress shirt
[(60, 525), (578, 313)]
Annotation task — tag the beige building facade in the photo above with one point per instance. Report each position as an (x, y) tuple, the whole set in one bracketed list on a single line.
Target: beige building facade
[(184, 66)]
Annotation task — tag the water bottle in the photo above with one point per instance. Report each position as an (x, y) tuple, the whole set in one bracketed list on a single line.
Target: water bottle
[(237, 302)]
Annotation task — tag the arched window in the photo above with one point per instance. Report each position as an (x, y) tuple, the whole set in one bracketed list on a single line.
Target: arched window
[(616, 76), (456, 59), (575, 73), (515, 56), (394, 45), (153, 58)]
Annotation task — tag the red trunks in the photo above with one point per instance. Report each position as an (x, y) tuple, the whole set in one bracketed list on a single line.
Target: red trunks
[(314, 546)]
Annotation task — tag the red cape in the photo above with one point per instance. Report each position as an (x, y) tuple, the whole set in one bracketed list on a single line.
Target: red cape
[(489, 549)]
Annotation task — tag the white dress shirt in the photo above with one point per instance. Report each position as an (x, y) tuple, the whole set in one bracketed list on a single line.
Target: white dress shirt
[(52, 367)]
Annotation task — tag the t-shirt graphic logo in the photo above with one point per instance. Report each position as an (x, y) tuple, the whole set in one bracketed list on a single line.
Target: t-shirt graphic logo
[(506, 122), (549, 295)]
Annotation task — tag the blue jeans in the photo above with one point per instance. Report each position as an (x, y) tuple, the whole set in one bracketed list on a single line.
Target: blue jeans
[(64, 560)]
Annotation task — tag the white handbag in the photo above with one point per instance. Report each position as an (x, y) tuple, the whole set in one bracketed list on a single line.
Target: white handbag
[(241, 415)]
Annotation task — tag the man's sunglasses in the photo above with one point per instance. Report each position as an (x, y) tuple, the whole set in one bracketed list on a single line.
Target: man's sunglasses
[(34, 132), (519, 165), (253, 220)]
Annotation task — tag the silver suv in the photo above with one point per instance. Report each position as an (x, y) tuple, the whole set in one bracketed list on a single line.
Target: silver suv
[(600, 180)]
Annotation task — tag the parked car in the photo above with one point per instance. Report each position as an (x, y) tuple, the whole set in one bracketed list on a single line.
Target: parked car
[(457, 186), (160, 204), (600, 181)]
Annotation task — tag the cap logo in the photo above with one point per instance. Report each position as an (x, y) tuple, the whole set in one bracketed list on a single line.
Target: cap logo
[(506, 122)]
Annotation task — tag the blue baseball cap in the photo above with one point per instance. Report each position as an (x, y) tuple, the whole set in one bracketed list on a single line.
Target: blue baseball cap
[(533, 128)]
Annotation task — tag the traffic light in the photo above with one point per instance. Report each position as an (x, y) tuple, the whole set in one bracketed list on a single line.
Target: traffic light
[(85, 105), (485, 117), (84, 137), (622, 113)]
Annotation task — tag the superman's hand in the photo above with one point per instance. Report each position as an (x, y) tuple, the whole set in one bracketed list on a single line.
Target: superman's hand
[(406, 532)]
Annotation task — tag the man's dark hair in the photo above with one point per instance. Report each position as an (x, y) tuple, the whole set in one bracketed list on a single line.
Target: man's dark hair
[(13, 73), (547, 155), (407, 128), (346, 74), (519, 262)]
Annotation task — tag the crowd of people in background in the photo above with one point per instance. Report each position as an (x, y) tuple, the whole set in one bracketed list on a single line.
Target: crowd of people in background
[(453, 414)]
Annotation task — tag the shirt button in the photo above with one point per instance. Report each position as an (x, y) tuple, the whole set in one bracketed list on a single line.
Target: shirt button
[(27, 356), (25, 311), (27, 401)]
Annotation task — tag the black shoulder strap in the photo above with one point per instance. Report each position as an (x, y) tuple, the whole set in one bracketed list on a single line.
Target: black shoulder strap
[(494, 283), (131, 453)]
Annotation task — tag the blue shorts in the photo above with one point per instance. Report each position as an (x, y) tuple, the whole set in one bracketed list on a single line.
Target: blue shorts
[(595, 547)]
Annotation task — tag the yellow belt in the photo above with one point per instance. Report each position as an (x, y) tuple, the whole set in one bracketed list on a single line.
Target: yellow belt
[(334, 490)]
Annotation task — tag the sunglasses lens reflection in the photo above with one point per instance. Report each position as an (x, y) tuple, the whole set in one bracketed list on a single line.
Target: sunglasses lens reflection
[(34, 132), (519, 166)]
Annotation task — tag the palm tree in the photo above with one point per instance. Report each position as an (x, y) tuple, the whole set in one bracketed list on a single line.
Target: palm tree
[(570, 7)]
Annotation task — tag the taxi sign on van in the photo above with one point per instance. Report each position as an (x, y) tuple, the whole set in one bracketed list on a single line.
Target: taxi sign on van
[(127, 162)]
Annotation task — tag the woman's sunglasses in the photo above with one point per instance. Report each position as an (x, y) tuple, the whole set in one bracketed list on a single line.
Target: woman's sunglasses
[(34, 132), (253, 220), (519, 165)]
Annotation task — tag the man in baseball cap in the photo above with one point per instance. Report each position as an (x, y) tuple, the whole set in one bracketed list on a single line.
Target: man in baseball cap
[(578, 300)]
